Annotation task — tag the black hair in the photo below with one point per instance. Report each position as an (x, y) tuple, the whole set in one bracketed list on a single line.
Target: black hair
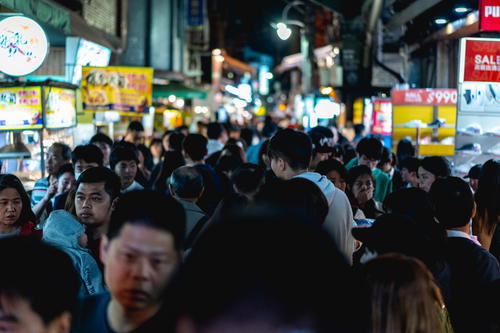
[(386, 156), (101, 137), (269, 129), (453, 201), (325, 167), (68, 167), (371, 148), (195, 146), (148, 208), (247, 135), (65, 150), (214, 130), (410, 163), (248, 178), (11, 181), (123, 151), (358, 129), (112, 184), (171, 161), (356, 172), (154, 142), (349, 153), (404, 150), (230, 275), (89, 153), (263, 153), (135, 126), (227, 163), (186, 182), (57, 283), (175, 141), (437, 165), (488, 194), (292, 146)]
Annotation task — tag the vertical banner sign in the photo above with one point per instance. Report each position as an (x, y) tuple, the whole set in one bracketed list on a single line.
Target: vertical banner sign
[(489, 15), (382, 117), (195, 13), (122, 89)]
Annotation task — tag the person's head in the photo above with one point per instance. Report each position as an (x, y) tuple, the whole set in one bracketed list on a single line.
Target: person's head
[(247, 134), (369, 152), (359, 129), (289, 152), (171, 161), (238, 142), (86, 156), (349, 152), (263, 157), (269, 129), (156, 148), (186, 183), (216, 131), (473, 176), (182, 129), (453, 202), (41, 307), (164, 140), (57, 155), (409, 170), (231, 280), (404, 150), (135, 133), (488, 194), (247, 179), (15, 207), (335, 171), (142, 248), (402, 294), (194, 147), (104, 143), (360, 184), (322, 140), (96, 190), (430, 169), (175, 141), (387, 161), (227, 164), (124, 161), (65, 178)]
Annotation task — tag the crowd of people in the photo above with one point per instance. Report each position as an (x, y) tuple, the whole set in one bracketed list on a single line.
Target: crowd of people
[(249, 230)]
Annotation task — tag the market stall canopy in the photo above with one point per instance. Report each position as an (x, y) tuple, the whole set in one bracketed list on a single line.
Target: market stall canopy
[(178, 90)]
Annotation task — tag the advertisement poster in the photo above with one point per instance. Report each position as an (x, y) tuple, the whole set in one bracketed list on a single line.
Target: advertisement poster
[(424, 97), (481, 60), (60, 111), (489, 15), (20, 108), (122, 89), (382, 117)]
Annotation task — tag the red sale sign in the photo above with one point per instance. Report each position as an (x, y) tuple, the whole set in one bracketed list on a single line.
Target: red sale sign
[(425, 96), (482, 60), (489, 15)]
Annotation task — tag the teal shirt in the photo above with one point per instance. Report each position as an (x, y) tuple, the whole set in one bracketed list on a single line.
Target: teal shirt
[(383, 183)]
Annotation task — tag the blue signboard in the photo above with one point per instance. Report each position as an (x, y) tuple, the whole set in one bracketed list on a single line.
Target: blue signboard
[(194, 13)]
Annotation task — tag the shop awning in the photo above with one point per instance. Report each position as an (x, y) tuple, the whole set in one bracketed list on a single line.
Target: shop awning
[(178, 90)]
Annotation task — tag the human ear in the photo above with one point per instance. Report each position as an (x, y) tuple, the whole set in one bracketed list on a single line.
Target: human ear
[(60, 324)]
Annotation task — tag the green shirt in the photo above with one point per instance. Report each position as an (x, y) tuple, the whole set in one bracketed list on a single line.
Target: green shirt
[(383, 183)]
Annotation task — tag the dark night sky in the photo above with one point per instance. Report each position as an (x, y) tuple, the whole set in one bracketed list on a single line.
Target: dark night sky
[(249, 23)]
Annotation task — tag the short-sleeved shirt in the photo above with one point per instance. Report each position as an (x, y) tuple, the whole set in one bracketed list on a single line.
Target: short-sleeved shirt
[(92, 316), (39, 190)]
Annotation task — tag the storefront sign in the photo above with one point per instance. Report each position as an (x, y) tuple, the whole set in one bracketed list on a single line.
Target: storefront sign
[(60, 109), (425, 96), (489, 18), (123, 89), (23, 46), (382, 117), (481, 60), (20, 108)]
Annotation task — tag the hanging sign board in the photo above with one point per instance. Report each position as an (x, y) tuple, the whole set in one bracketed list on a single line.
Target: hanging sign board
[(21, 108), (23, 46), (480, 60), (122, 89), (60, 110), (489, 15)]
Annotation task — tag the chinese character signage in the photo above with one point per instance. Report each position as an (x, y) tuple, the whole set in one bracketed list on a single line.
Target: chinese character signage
[(60, 110), (425, 96), (20, 108), (123, 89), (195, 13), (489, 15), (481, 60), (23, 46)]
